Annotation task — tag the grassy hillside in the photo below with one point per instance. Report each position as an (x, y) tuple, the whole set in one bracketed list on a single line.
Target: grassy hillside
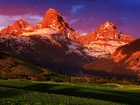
[(15, 92), (12, 64), (107, 67), (13, 67)]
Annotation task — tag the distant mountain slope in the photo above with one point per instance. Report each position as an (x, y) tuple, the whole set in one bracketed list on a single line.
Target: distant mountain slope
[(102, 42), (106, 31), (108, 68), (18, 27), (49, 44), (54, 44), (10, 64), (129, 55), (54, 51), (13, 67), (124, 62)]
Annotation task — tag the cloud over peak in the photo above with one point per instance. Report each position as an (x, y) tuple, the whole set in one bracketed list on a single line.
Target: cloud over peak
[(75, 8), (9, 20)]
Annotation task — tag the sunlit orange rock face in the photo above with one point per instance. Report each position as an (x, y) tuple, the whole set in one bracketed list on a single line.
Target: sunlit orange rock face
[(118, 55), (128, 54), (17, 28), (6, 30), (127, 38), (106, 31), (20, 24), (133, 61), (54, 20)]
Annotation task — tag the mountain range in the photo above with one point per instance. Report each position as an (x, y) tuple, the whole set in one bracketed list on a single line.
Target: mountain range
[(54, 44)]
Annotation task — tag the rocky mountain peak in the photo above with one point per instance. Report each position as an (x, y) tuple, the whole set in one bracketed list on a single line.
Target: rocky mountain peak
[(20, 24), (107, 25), (51, 13), (54, 20), (107, 30), (17, 28)]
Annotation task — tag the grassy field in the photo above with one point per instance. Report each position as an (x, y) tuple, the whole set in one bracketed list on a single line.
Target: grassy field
[(16, 92)]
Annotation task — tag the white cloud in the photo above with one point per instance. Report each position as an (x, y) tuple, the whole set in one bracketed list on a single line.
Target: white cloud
[(83, 33), (32, 17), (76, 8), (124, 20), (74, 21), (6, 20)]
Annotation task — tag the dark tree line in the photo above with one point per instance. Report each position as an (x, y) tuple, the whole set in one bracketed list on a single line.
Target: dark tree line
[(62, 78), (102, 80)]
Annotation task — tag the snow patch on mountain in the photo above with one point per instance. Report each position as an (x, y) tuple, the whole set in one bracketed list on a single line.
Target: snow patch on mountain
[(106, 25), (116, 43), (102, 48), (42, 32), (73, 47), (16, 43), (28, 28)]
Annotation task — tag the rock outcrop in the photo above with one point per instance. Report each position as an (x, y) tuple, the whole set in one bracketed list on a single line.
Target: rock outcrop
[(106, 31), (54, 20), (128, 55), (18, 27)]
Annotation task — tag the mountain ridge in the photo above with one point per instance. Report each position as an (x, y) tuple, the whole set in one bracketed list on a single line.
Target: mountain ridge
[(53, 19), (129, 55), (18, 27), (54, 44), (104, 39)]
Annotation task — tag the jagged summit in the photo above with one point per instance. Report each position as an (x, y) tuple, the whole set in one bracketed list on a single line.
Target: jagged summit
[(51, 12), (20, 24), (17, 28), (107, 24), (107, 30), (54, 20)]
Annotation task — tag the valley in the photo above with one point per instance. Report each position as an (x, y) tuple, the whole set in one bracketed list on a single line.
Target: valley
[(40, 93)]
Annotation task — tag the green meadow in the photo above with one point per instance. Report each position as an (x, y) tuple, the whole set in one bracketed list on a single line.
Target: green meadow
[(19, 92)]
